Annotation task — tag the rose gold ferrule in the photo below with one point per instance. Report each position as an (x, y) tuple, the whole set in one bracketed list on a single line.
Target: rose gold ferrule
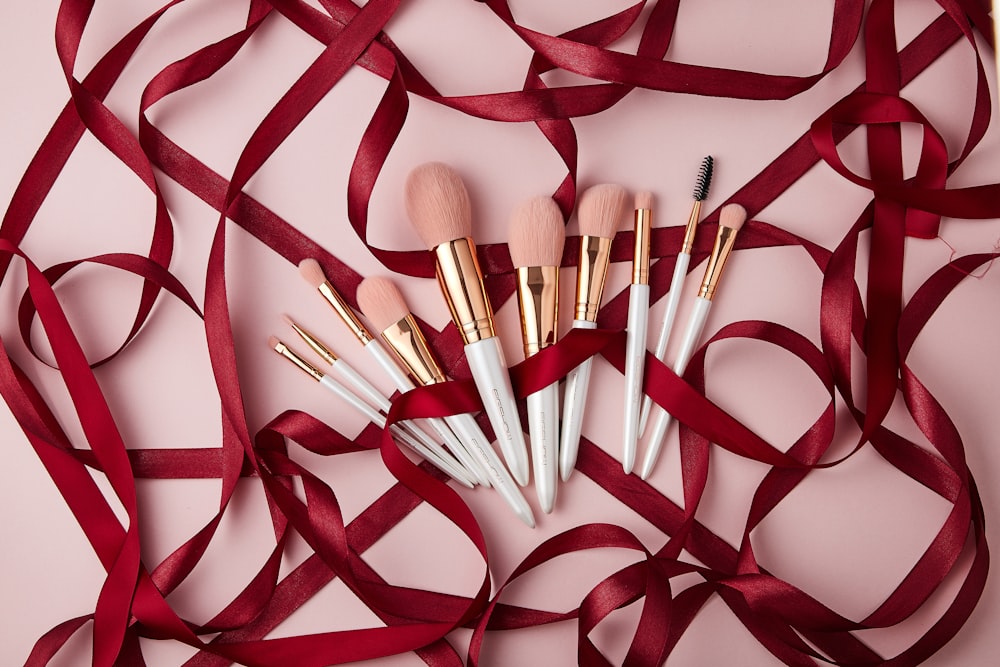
[(688, 245), (315, 343), (640, 255), (724, 241), (346, 314), (410, 346), (461, 280), (304, 365), (538, 301), (594, 254)]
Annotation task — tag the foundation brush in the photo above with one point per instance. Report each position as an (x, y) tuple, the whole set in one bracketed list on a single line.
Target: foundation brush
[(438, 205), (536, 239)]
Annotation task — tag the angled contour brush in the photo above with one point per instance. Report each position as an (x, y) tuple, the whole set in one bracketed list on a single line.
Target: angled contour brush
[(384, 306), (638, 316), (537, 236), (680, 271), (444, 465), (438, 206), (312, 272), (600, 212), (731, 218)]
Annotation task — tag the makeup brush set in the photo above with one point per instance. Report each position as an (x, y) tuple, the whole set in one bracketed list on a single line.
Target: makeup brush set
[(438, 206)]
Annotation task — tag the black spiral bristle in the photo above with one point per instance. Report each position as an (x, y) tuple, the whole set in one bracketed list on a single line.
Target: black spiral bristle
[(704, 179)]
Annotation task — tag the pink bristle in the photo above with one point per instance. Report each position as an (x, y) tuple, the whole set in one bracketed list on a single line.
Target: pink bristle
[(273, 342), (438, 204), (732, 216), (312, 272), (644, 200), (600, 210), (537, 233), (381, 302)]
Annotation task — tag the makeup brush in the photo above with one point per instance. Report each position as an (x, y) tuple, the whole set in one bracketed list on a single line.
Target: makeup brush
[(638, 316), (368, 411), (384, 306), (438, 206), (373, 396), (340, 367), (600, 211), (731, 218), (701, 187), (313, 274), (537, 236)]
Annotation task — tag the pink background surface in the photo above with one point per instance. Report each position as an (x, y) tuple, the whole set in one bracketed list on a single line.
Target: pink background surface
[(846, 535)]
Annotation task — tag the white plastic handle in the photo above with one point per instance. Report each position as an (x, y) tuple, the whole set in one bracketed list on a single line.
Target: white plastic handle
[(468, 431), (635, 357), (574, 400), (489, 370), (543, 427), (404, 384), (673, 299), (450, 469), (696, 324), (459, 449), (344, 371)]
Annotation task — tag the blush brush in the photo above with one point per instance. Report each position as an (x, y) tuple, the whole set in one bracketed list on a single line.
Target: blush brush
[(438, 206)]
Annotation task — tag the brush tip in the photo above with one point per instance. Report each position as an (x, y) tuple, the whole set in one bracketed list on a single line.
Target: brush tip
[(273, 342), (704, 178), (288, 320), (381, 302), (644, 200), (312, 272), (437, 204), (732, 216), (537, 233), (600, 210)]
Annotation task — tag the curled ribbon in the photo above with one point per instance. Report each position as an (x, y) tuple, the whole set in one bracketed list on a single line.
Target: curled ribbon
[(785, 620)]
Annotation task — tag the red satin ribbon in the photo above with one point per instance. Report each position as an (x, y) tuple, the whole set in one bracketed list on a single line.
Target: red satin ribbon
[(132, 601)]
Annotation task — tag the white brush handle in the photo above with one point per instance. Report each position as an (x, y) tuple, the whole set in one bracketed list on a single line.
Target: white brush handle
[(405, 384), (460, 450), (673, 299), (635, 357), (573, 403), (543, 427), (696, 324), (489, 370), (468, 431), (378, 419), (344, 371)]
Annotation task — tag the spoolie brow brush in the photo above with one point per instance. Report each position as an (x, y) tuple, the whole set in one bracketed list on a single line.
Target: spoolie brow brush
[(701, 187)]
